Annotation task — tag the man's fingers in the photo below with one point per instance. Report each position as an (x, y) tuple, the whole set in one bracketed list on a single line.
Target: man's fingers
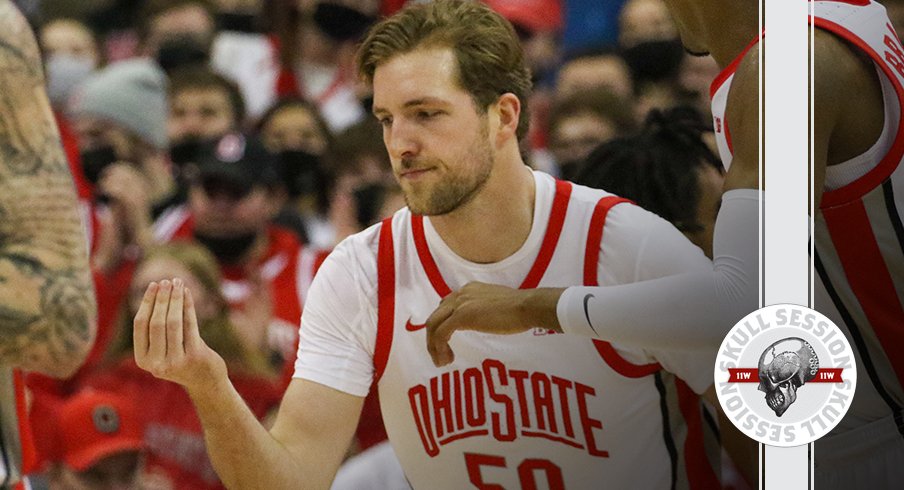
[(190, 333), (436, 345), (142, 318), (439, 337), (436, 318), (157, 325), (174, 347)]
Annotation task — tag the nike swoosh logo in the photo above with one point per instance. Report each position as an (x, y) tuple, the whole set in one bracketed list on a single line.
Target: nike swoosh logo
[(587, 313), (414, 327)]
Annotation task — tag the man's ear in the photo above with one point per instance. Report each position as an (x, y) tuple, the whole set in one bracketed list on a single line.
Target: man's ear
[(508, 108)]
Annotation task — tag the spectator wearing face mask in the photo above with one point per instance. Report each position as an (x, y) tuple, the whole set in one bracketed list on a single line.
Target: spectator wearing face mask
[(294, 130), (119, 116), (119, 119), (204, 105), (650, 45), (234, 193), (177, 33), (580, 122), (71, 54), (317, 57)]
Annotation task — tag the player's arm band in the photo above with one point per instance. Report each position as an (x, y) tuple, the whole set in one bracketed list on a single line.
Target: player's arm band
[(690, 310)]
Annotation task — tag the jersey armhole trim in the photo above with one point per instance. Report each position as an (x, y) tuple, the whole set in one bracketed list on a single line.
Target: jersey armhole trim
[(591, 266), (385, 299)]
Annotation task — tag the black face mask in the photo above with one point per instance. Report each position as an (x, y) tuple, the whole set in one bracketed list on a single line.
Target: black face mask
[(95, 161), (227, 21), (181, 51), (186, 150), (228, 251), (653, 61), (301, 172), (368, 201), (340, 22)]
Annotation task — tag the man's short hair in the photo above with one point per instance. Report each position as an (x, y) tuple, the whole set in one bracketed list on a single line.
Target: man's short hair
[(600, 103), (200, 78), (489, 55), (155, 8)]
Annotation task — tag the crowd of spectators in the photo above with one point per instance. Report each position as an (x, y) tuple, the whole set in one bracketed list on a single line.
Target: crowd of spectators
[(229, 143)]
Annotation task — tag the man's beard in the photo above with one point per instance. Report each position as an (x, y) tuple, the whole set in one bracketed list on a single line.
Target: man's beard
[(459, 188)]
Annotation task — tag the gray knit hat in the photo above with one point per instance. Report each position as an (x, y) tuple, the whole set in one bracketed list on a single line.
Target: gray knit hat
[(131, 93)]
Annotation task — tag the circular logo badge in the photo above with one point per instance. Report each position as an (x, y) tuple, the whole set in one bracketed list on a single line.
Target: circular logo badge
[(785, 375)]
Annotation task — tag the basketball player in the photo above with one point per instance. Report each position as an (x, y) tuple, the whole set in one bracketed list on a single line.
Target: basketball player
[(536, 409), (858, 147), (47, 307)]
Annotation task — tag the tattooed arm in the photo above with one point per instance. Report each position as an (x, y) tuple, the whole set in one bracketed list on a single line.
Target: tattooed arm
[(47, 306)]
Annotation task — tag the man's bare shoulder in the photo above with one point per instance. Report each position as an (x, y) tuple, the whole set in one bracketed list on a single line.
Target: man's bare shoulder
[(852, 124)]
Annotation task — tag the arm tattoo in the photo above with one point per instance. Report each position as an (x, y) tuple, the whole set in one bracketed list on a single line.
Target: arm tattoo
[(47, 308)]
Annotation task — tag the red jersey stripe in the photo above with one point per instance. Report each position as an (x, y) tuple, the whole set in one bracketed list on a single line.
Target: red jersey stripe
[(553, 232), (867, 274), (595, 237), (700, 473), (591, 266), (547, 248), (385, 299)]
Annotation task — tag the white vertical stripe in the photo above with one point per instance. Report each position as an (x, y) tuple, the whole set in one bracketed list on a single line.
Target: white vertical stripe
[(304, 276), (787, 224), (762, 447)]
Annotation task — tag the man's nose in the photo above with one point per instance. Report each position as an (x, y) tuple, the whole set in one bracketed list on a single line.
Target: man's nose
[(401, 140)]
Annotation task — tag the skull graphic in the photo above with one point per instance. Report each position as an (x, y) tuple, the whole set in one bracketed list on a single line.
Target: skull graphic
[(784, 367)]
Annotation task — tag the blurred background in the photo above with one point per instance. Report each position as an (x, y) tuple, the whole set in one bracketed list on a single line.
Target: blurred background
[(229, 142)]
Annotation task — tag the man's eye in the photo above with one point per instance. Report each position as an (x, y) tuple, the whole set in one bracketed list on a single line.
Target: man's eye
[(385, 121)]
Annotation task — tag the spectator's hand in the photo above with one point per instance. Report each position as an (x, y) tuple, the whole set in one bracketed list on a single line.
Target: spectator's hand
[(167, 341), (492, 309), (129, 201), (110, 241)]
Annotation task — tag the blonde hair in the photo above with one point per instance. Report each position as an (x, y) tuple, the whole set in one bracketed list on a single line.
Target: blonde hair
[(218, 332)]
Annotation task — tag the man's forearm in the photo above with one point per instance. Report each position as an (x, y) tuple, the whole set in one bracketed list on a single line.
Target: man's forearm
[(47, 309), (243, 453), (691, 310)]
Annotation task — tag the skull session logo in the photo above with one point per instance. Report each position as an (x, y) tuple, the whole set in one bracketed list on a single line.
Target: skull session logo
[(785, 375)]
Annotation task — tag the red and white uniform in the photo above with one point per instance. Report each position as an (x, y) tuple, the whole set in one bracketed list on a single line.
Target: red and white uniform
[(859, 241), (531, 410)]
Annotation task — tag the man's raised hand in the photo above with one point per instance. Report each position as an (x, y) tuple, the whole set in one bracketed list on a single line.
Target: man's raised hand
[(167, 341)]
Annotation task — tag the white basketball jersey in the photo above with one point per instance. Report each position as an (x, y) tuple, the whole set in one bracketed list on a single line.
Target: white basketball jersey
[(859, 236), (534, 410)]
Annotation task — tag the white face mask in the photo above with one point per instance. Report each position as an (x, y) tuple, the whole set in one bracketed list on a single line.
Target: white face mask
[(64, 73)]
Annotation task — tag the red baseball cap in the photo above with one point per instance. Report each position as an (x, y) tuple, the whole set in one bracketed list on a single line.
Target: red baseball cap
[(94, 425), (536, 15)]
